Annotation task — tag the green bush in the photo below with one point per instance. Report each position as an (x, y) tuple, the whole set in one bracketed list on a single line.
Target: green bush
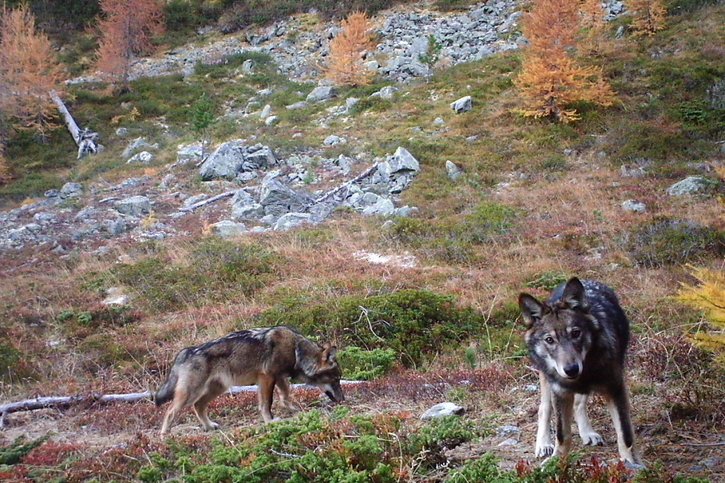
[(9, 357), (217, 270), (359, 364), (666, 242), (412, 323)]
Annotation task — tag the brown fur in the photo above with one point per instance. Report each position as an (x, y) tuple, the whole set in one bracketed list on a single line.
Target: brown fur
[(265, 357)]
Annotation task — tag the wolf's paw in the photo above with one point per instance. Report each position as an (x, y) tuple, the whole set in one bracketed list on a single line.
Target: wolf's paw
[(544, 450), (212, 426), (592, 439)]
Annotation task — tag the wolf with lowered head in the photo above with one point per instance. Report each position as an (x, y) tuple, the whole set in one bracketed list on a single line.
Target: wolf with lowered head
[(266, 357), (577, 340)]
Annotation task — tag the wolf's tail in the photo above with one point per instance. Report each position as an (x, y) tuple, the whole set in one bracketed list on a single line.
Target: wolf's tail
[(167, 389)]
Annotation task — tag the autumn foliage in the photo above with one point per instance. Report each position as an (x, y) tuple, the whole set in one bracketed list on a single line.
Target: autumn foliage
[(29, 70), (346, 51), (648, 16), (126, 29), (709, 297), (551, 79)]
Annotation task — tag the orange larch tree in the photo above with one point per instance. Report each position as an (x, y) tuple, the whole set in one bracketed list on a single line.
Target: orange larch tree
[(648, 16), (346, 65), (593, 27), (29, 71), (551, 79), (126, 30)]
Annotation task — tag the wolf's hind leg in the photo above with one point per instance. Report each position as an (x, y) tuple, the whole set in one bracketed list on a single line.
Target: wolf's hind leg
[(284, 391), (587, 433), (544, 445), (214, 390), (265, 393), (181, 400)]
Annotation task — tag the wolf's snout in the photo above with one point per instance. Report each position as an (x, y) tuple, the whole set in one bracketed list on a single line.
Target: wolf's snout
[(572, 370)]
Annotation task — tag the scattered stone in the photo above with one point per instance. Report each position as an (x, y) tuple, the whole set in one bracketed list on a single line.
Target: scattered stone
[(634, 206), (228, 229), (122, 132), (442, 410), (690, 186), (321, 93), (278, 199), (188, 153), (234, 156), (144, 157), (454, 172), (271, 121), (351, 102), (632, 171), (266, 112), (297, 105), (248, 66), (439, 122), (116, 296), (245, 208), (53, 193), (137, 145), (292, 220), (464, 104), (134, 206), (386, 93), (71, 190), (507, 430), (509, 442), (333, 140)]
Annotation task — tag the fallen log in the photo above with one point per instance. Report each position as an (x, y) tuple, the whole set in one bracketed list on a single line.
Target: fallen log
[(347, 184), (207, 201), (85, 139), (45, 402)]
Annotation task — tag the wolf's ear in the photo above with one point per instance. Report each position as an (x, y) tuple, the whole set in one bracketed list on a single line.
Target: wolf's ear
[(332, 355), (574, 295), (531, 309), (307, 357)]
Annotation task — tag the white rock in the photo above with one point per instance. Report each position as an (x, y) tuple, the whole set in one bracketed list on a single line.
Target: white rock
[(464, 104), (442, 410)]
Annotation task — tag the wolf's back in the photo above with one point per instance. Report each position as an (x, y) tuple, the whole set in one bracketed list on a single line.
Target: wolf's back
[(166, 391)]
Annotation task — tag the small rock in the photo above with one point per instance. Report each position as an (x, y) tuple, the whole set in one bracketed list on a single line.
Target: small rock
[(509, 442), (507, 430), (351, 102), (248, 66), (228, 229), (464, 104), (442, 410), (186, 153), (136, 145), (689, 186), (116, 296), (71, 190), (144, 157), (634, 206), (134, 206), (334, 140), (439, 122), (271, 121), (266, 112), (292, 220), (297, 105), (454, 172), (387, 93), (122, 132), (321, 93)]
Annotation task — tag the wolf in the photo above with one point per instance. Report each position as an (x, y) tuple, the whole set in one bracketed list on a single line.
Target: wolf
[(577, 341), (267, 357)]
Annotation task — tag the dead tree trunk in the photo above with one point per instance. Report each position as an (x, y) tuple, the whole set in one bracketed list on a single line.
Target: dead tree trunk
[(66, 401), (85, 139)]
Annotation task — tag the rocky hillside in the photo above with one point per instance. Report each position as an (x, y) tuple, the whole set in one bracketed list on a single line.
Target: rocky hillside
[(399, 220)]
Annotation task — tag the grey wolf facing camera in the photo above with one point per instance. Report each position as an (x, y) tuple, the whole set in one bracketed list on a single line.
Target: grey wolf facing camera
[(577, 341)]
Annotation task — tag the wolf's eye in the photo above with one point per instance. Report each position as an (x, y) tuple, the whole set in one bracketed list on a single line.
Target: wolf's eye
[(549, 340), (575, 333)]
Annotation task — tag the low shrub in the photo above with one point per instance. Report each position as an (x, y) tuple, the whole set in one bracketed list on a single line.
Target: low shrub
[(359, 364), (216, 271), (667, 242), (412, 323)]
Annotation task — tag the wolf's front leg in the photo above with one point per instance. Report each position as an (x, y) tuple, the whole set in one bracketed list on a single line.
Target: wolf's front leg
[(587, 433), (285, 394), (618, 405), (564, 408), (544, 445)]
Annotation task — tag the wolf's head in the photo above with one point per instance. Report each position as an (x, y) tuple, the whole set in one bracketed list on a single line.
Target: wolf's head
[(319, 367), (560, 334)]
